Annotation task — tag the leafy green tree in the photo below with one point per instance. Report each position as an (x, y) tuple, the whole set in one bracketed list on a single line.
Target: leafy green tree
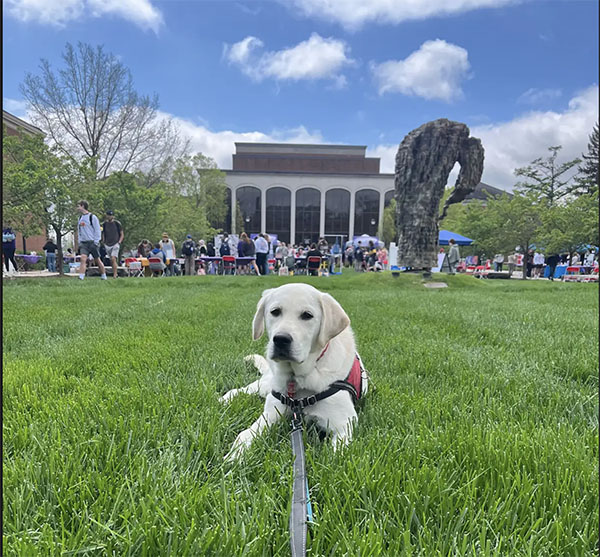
[(546, 178), (140, 210), (567, 228), (517, 220), (43, 186), (589, 172), (197, 195), (388, 227)]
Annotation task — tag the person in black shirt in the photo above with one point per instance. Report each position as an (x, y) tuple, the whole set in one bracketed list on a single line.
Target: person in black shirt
[(50, 248), (112, 237), (313, 252)]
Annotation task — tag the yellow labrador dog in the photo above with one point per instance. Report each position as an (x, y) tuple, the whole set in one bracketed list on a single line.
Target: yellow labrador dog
[(311, 353)]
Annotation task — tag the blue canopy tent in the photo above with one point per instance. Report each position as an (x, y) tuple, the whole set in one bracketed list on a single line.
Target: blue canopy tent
[(445, 236)]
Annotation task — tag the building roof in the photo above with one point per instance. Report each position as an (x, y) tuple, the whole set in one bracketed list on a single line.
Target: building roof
[(483, 191), (16, 123)]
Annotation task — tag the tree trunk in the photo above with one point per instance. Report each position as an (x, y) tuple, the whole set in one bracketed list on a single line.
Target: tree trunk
[(61, 271)]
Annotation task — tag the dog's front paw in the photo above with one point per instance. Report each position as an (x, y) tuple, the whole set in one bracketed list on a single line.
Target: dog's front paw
[(241, 443), (226, 398)]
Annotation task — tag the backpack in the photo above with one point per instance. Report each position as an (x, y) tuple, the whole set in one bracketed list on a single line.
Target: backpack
[(224, 249), (187, 248)]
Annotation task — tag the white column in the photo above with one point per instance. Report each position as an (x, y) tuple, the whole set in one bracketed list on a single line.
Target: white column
[(322, 216), (381, 208), (263, 210), (233, 215), (293, 218), (352, 202)]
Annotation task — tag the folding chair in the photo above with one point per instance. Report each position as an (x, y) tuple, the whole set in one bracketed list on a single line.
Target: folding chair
[(572, 274), (312, 264), (271, 264), (228, 265), (156, 265), (134, 267), (592, 277)]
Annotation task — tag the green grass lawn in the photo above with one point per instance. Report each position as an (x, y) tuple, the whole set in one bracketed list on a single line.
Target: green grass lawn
[(481, 437)]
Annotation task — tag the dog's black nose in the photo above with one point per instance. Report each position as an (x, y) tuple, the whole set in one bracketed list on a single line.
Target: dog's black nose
[(282, 341)]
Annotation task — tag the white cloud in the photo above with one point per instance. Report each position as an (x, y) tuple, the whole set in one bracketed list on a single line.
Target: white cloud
[(16, 107), (60, 12), (537, 96), (315, 58), (435, 71), (219, 145), (352, 14), (513, 144)]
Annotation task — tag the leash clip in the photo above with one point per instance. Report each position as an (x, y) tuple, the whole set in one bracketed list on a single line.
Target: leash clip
[(296, 421)]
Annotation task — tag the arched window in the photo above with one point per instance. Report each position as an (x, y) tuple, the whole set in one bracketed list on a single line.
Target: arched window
[(337, 212), (389, 195), (366, 212), (248, 198), (308, 212), (278, 213)]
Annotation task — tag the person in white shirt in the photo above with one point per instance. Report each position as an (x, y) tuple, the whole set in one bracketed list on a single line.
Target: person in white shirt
[(262, 249), (168, 247), (538, 264), (89, 234)]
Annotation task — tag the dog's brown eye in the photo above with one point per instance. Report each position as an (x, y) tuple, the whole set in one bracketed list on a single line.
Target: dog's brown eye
[(275, 312), (305, 315)]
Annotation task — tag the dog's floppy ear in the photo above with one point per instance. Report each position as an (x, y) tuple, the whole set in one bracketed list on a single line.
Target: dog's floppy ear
[(334, 319), (258, 323)]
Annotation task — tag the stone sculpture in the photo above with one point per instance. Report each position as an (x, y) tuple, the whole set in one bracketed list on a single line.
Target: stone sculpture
[(423, 163)]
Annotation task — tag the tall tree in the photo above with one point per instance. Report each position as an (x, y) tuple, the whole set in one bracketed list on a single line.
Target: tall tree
[(589, 172), (43, 185), (202, 184), (568, 228), (140, 210), (517, 220), (546, 178), (90, 109)]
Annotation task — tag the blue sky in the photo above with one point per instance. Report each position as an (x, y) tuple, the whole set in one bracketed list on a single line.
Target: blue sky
[(523, 75)]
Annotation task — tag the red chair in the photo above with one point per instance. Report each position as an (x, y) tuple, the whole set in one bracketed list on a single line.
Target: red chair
[(312, 264), (134, 267), (228, 265), (572, 274), (271, 263), (157, 266)]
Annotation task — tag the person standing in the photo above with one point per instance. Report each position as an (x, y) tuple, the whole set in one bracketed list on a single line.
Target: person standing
[(225, 248), (50, 248), (112, 238), (552, 261), (538, 264), (9, 246), (498, 261), (512, 261), (89, 235), (453, 256), (188, 249), (262, 250), (168, 247)]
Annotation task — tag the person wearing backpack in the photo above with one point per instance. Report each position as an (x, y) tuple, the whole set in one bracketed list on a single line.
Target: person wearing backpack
[(89, 234), (188, 249), (225, 249)]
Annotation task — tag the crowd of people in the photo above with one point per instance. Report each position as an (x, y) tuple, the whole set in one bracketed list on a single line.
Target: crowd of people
[(260, 255)]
